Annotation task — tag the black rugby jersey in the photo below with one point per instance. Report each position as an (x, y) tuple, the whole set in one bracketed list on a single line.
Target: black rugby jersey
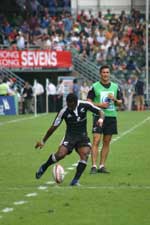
[(76, 121)]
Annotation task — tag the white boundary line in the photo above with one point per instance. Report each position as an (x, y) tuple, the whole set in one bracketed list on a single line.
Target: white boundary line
[(130, 130), (22, 119), (106, 187), (21, 202)]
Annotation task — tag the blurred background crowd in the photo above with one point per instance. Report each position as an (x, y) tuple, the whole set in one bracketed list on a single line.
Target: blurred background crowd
[(104, 38)]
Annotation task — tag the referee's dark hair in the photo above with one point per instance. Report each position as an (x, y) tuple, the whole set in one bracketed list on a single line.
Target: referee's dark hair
[(103, 67), (71, 98)]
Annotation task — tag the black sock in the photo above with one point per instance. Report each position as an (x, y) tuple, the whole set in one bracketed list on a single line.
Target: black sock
[(80, 169), (51, 160)]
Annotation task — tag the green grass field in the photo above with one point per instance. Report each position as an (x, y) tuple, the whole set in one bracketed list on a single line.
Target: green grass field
[(119, 198)]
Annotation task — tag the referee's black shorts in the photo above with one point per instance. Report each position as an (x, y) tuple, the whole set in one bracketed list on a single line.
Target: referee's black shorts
[(109, 126)]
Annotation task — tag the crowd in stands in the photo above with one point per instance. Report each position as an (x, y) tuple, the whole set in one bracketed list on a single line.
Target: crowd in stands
[(118, 40), (106, 38)]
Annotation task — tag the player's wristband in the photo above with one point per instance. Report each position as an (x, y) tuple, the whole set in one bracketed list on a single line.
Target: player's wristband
[(101, 120)]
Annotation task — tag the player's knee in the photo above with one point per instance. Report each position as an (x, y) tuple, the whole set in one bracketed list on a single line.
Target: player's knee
[(85, 155), (106, 142), (96, 142), (60, 156)]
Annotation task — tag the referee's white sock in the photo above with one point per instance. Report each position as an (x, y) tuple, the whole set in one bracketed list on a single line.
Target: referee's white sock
[(101, 166), (94, 166)]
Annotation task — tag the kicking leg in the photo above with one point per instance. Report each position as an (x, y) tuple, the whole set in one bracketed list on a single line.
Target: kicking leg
[(84, 153), (53, 158)]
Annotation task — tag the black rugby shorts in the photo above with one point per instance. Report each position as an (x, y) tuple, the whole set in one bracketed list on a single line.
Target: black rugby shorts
[(109, 126)]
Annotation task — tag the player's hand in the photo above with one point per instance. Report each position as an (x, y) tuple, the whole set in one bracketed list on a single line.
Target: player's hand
[(105, 105), (39, 144), (100, 122), (111, 96)]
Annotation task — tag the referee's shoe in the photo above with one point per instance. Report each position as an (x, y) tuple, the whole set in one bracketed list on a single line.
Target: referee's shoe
[(93, 170), (102, 170)]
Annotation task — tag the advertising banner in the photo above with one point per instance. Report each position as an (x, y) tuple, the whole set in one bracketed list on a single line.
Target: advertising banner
[(35, 59), (7, 105)]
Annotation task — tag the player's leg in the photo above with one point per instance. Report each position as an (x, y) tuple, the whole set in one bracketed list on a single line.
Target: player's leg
[(110, 128), (53, 158), (94, 152), (142, 102), (138, 102), (97, 131), (104, 153), (84, 154)]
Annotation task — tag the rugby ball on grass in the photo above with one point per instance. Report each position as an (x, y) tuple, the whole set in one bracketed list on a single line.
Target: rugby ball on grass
[(58, 173)]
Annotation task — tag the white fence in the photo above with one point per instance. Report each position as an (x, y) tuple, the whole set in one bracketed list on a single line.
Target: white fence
[(116, 6)]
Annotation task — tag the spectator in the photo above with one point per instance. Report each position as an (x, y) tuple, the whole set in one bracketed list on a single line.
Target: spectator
[(12, 84), (4, 89), (52, 7), (108, 15), (76, 88), (68, 23), (114, 20), (27, 95), (117, 65), (84, 91), (51, 91), (60, 94), (20, 40), (131, 65), (101, 56), (128, 91), (38, 92), (139, 93)]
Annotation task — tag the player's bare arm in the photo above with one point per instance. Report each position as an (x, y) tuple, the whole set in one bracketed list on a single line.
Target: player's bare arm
[(101, 118), (50, 131)]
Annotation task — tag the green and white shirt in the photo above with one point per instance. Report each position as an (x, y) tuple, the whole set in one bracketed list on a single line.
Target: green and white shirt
[(99, 94)]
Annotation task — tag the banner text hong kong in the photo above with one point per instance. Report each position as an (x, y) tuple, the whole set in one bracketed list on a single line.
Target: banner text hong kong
[(35, 59)]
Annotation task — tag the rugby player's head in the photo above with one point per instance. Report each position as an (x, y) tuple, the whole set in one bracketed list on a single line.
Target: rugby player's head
[(71, 100)]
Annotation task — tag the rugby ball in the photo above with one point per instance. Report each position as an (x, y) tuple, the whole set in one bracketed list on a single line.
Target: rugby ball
[(58, 173)]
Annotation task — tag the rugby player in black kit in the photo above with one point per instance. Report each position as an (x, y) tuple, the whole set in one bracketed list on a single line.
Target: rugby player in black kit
[(75, 116)]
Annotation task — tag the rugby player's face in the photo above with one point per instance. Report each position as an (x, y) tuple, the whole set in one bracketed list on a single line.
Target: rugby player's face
[(71, 105), (105, 75)]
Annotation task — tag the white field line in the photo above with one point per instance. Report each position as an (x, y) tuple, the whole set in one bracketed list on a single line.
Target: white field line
[(50, 182), (20, 202), (31, 194), (6, 210), (130, 130), (53, 184), (42, 187), (70, 168), (106, 187), (21, 119)]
